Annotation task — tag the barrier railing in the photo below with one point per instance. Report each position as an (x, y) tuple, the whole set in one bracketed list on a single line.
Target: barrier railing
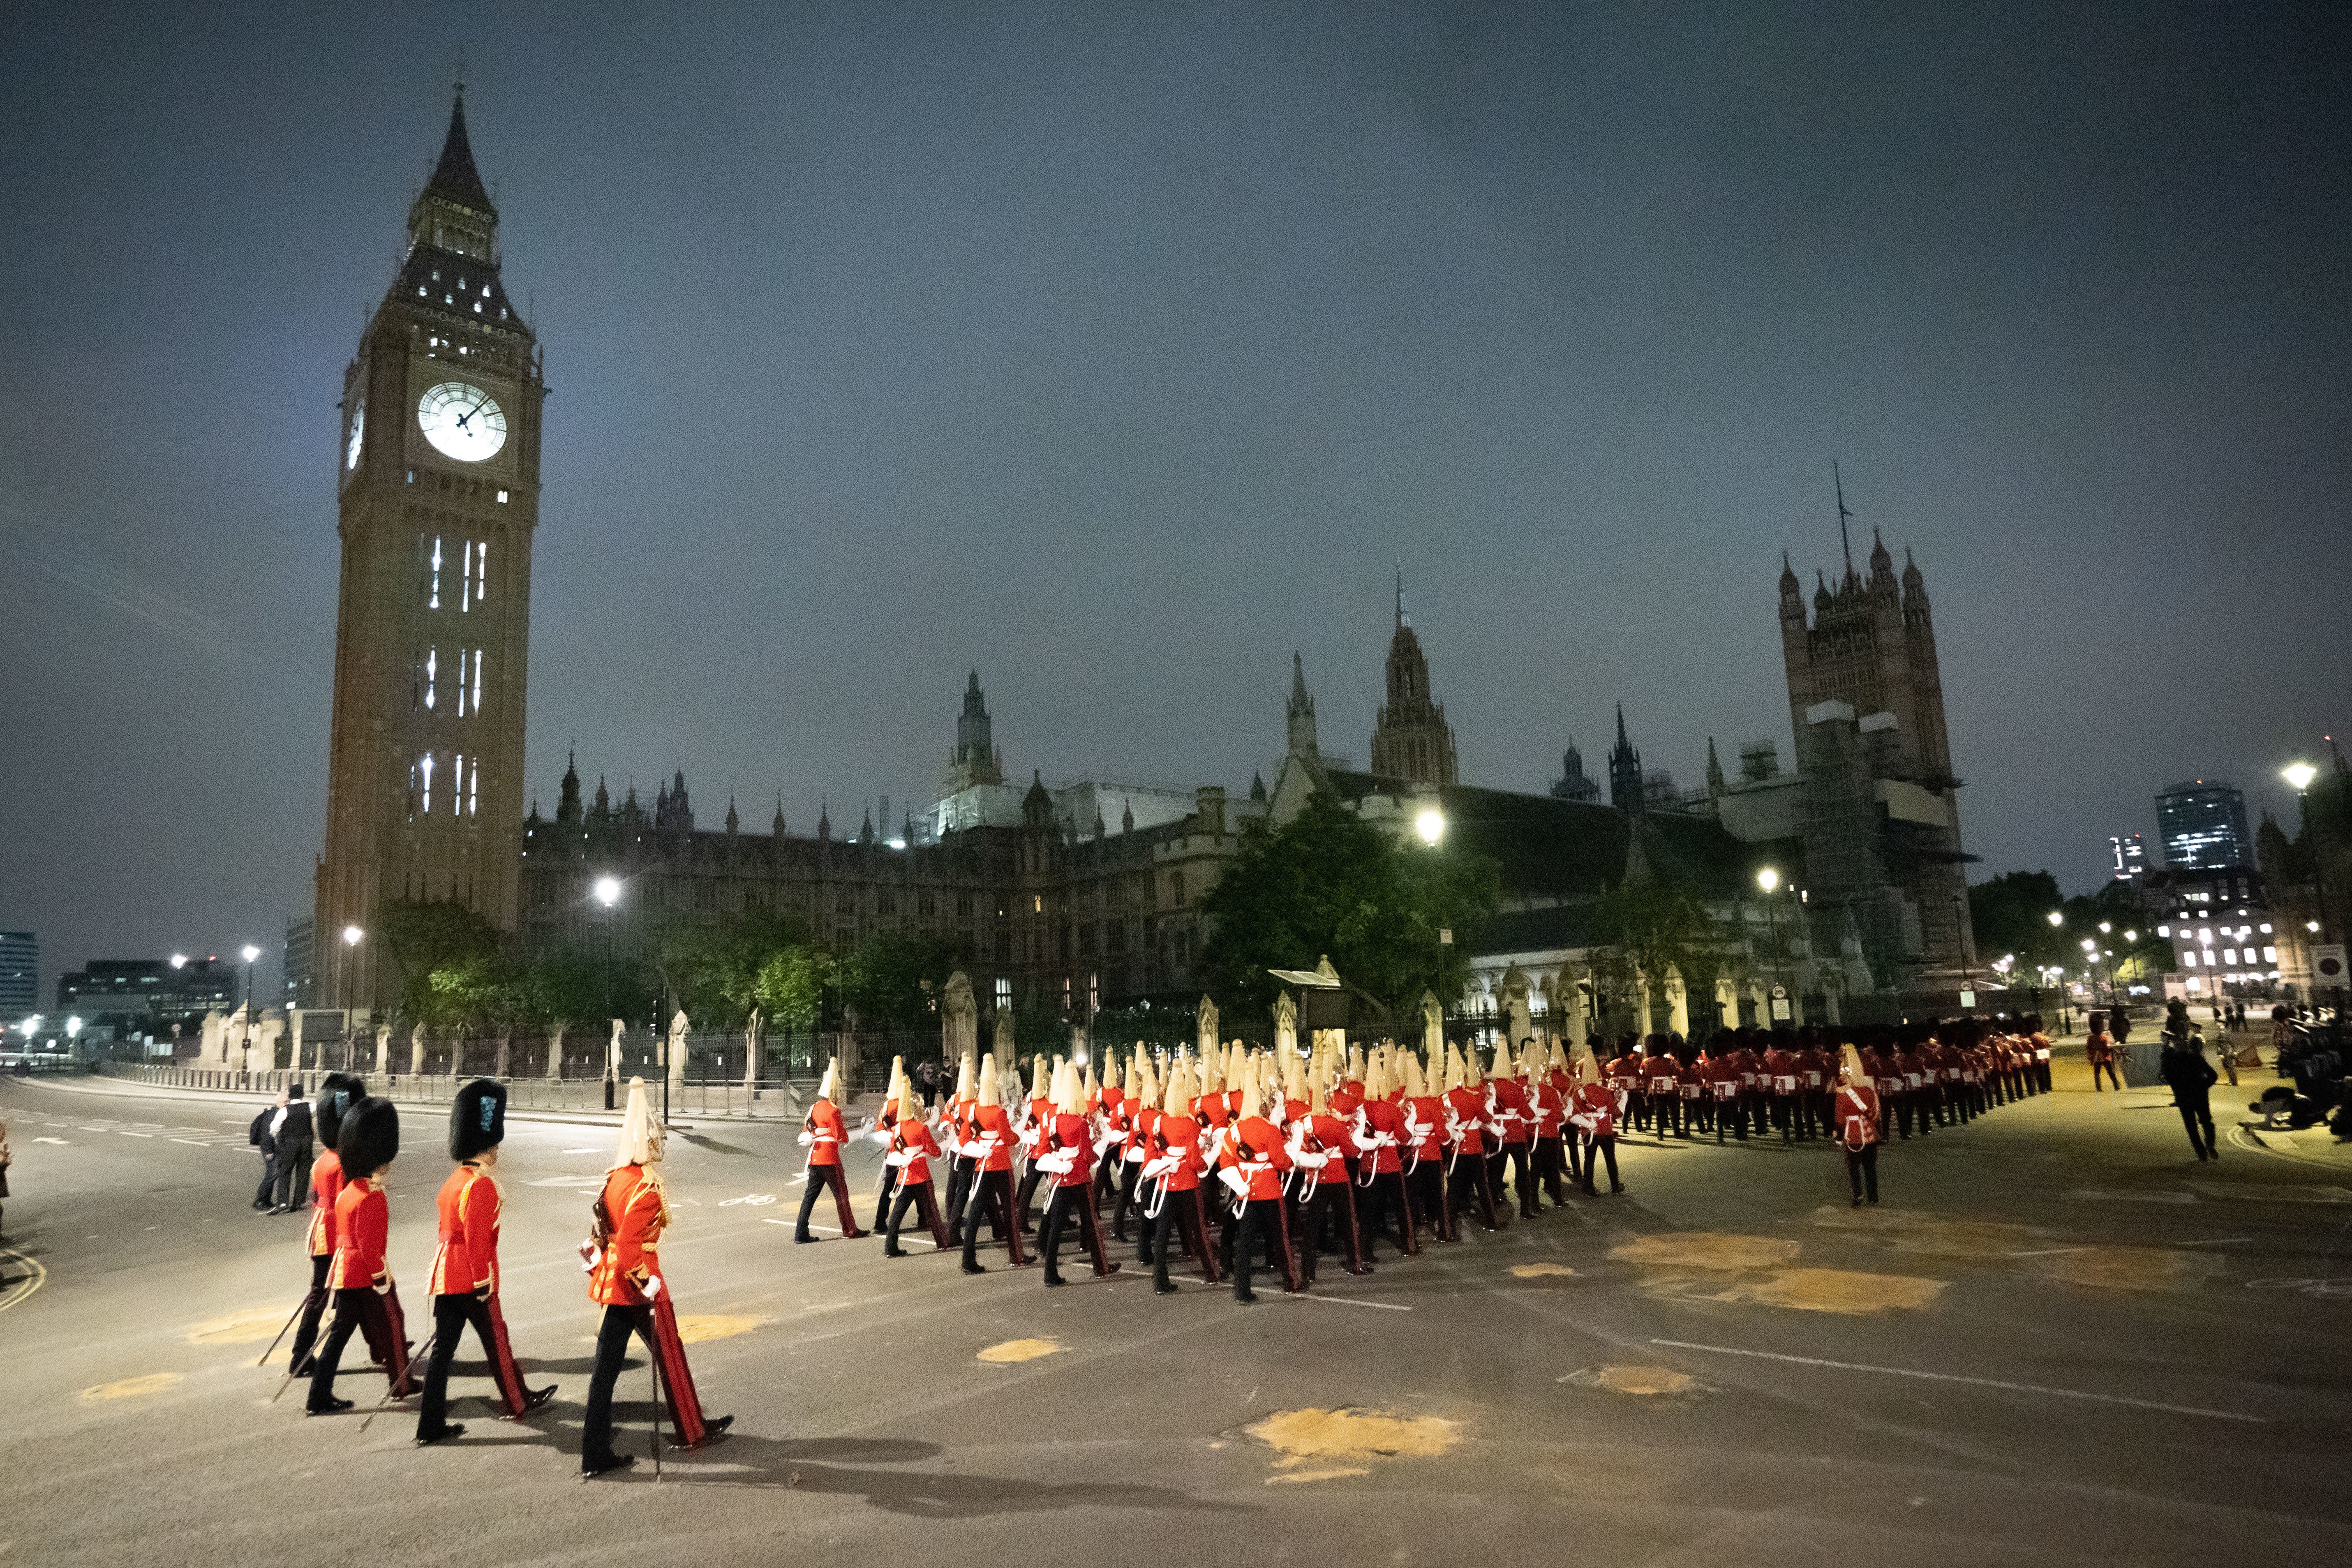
[(700, 1095)]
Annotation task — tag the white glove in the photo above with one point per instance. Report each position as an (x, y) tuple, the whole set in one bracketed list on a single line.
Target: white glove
[(898, 1160), (1311, 1161), (382, 1284), (652, 1287), (1232, 1176), (590, 1256), (807, 1139)]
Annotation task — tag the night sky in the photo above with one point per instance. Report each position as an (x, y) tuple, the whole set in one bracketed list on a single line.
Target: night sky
[(1120, 351)]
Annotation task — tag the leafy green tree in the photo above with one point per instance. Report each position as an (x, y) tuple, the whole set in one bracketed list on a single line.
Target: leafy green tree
[(426, 935), (890, 979), (790, 986), (1646, 925), (1329, 883)]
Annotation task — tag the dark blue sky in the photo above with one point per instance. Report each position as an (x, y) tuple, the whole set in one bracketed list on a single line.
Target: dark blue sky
[(1118, 350)]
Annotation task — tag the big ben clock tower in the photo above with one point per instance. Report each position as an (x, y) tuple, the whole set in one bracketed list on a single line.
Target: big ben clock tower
[(437, 464)]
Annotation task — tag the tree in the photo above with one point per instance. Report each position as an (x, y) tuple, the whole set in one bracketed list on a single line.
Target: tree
[(423, 935), (791, 986), (1647, 925), (889, 979), (1329, 883)]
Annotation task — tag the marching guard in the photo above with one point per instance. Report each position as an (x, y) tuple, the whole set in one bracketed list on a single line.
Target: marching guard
[(624, 1277), (1173, 1166), (1069, 1159), (990, 1149), (338, 1092), (465, 1278), (823, 1132), (1858, 1130), (366, 1146), (911, 1151)]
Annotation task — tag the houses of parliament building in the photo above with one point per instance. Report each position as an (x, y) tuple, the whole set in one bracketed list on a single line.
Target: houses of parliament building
[(1085, 896)]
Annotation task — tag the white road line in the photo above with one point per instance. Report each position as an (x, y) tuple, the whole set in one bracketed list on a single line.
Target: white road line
[(129, 1134), (1979, 1382), (191, 1142), (1348, 1302)]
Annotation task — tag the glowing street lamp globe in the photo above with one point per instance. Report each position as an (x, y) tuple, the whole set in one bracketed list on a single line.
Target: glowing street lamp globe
[(608, 891), (1768, 878), (352, 936), (2057, 917), (1431, 826), (251, 952), (2299, 775)]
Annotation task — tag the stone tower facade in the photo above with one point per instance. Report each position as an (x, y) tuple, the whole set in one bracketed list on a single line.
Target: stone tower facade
[(1882, 819), (437, 460), (976, 760), (1411, 739)]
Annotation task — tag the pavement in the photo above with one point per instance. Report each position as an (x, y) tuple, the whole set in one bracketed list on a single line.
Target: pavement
[(2059, 1340)]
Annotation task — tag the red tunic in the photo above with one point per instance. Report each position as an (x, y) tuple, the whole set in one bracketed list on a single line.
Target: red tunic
[(326, 1186), (993, 1129), (1425, 1130), (913, 1140), (1857, 1116), (1549, 1109), (1466, 1109), (1261, 1157), (1176, 1140), (826, 1130), (1076, 1134), (1328, 1135), (633, 1216), (1381, 1126), (363, 1222), (1594, 1109), (1513, 1122), (466, 1261), (1780, 1070)]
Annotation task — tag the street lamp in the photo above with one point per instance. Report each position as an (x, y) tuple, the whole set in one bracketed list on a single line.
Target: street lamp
[(1770, 881), (1431, 826), (245, 1051), (607, 892)]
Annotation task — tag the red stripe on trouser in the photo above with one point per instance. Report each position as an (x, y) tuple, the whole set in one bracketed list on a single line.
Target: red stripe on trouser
[(502, 1365), (386, 1332), (678, 1379)]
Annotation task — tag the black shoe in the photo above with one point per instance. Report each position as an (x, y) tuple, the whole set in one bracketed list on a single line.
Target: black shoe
[(975, 1268), (894, 1252), (452, 1429), (590, 1469), (304, 1370), (1053, 1279), (801, 1239), (332, 1407), (1164, 1287), (532, 1398), (712, 1430), (1105, 1270), (1616, 1189), (1857, 1202), (1244, 1297)]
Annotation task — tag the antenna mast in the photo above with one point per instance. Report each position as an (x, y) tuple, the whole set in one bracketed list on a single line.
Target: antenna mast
[(1843, 515)]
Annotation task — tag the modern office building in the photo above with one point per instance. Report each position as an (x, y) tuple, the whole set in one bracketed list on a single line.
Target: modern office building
[(20, 975), (2203, 823), (2126, 856)]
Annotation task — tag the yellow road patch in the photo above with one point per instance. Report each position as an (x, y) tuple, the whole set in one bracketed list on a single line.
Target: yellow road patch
[(1705, 1250), (1316, 1475), (1541, 1271), (694, 1329), (1644, 1380), (249, 1327), (131, 1387), (1838, 1290), (1019, 1350), (1344, 1434), (2125, 1268), (1932, 1236)]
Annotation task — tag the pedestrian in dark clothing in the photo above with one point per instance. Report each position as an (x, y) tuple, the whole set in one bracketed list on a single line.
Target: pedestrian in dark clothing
[(263, 1135), (293, 1157), (927, 1077), (2120, 1023), (2184, 1066)]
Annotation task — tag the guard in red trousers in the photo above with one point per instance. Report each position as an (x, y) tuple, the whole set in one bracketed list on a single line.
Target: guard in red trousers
[(822, 1133), (1623, 1074), (1723, 1083), (1424, 1154), (957, 1125), (1069, 1159), (1317, 1146), (990, 1149), (1813, 1088), (912, 1149), (1778, 1073), (1857, 1124), (1550, 1120), (1593, 1113), (1662, 1075), (1253, 1167), (365, 1147), (1515, 1127), (1690, 1085), (2039, 1044), (897, 1095), (1173, 1164), (464, 1284), (1036, 1116), (1135, 1188), (1911, 1075), (1378, 1133), (1465, 1161), (338, 1092), (625, 1277)]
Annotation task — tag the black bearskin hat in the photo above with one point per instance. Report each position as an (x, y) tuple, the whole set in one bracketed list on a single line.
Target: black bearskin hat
[(338, 1092), (478, 1119), (369, 1138)]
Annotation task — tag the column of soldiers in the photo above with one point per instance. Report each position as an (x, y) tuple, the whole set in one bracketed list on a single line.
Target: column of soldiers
[(1231, 1160)]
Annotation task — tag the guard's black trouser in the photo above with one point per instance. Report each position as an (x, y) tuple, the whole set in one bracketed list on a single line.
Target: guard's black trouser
[(1598, 1148), (1861, 1170)]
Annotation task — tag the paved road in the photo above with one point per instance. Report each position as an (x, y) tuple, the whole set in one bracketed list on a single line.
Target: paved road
[(2059, 1341)]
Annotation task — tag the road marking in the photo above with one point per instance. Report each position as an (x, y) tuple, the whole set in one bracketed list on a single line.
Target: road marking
[(62, 1142), (1348, 1302), (191, 1142), (2049, 1251), (16, 1288), (1979, 1382), (125, 1132)]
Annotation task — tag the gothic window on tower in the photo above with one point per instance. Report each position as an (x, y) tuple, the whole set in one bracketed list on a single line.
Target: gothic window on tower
[(424, 778), (457, 786), (432, 664), (432, 581)]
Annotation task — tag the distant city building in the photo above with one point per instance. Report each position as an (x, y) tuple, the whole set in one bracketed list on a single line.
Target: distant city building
[(2203, 823), (20, 973), (2222, 927), (154, 990), (301, 962), (2126, 856)]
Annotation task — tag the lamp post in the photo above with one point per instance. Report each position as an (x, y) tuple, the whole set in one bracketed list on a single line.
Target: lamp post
[(352, 937), (608, 893), (245, 1054), (1770, 881), (2057, 919)]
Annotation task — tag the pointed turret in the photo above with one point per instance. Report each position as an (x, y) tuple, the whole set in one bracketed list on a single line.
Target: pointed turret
[(1257, 788), (731, 816), (1301, 710), (455, 175), (1037, 806), (1715, 782), (604, 797), (567, 801), (779, 828), (452, 214), (823, 821), (1882, 565), (865, 828), (1625, 771)]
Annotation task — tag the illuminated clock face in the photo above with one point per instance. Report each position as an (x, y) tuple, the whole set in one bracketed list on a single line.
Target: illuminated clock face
[(351, 444), (462, 422)]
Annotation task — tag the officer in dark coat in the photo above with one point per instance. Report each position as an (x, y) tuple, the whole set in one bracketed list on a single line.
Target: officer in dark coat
[(2184, 1066), (293, 1156)]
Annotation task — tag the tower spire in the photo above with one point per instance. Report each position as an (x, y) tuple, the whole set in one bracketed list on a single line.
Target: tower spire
[(1847, 544), (1400, 593)]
